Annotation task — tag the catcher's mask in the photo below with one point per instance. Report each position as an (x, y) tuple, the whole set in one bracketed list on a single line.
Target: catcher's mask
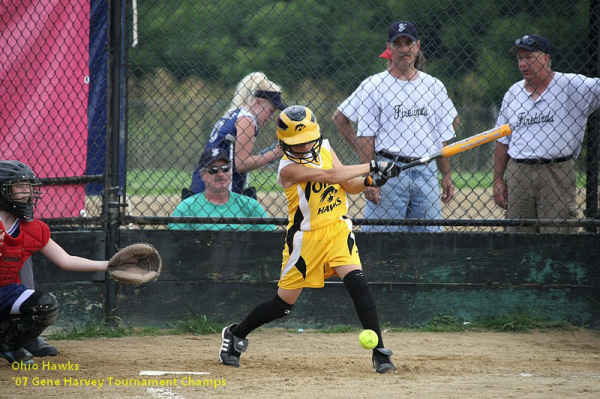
[(19, 189), (297, 125)]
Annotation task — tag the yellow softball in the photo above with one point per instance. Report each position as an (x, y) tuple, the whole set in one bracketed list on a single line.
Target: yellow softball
[(368, 339)]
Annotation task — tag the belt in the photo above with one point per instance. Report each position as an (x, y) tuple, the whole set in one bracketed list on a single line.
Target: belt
[(542, 161), (397, 158)]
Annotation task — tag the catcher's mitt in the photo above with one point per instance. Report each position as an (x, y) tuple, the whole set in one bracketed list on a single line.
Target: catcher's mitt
[(135, 264)]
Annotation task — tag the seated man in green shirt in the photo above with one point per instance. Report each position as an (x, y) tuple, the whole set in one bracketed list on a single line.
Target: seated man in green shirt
[(217, 201)]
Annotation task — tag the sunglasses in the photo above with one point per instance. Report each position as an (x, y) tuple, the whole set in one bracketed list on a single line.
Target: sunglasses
[(213, 170), (526, 40)]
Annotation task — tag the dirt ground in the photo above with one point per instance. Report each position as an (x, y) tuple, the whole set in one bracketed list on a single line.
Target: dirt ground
[(557, 364)]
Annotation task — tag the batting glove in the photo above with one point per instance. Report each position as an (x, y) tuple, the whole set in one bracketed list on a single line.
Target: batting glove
[(376, 179), (388, 169)]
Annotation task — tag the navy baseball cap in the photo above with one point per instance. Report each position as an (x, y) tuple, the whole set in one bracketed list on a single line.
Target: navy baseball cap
[(273, 96), (402, 28), (534, 43), (212, 155)]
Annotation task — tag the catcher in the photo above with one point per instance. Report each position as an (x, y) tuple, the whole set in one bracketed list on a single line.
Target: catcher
[(26, 313)]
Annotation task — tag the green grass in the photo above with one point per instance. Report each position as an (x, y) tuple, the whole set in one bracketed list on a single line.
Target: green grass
[(520, 320), (444, 323), (483, 180), (102, 329), (265, 180), (339, 328), (171, 181), (515, 321), (472, 180), (197, 325), (157, 181)]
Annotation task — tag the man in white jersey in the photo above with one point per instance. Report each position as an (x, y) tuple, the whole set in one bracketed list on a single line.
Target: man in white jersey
[(403, 114), (347, 112), (534, 172)]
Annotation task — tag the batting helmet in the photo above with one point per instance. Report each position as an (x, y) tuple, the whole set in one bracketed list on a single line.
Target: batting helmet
[(298, 125), (17, 173)]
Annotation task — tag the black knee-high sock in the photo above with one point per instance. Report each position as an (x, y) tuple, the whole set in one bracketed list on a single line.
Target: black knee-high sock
[(264, 313), (364, 302)]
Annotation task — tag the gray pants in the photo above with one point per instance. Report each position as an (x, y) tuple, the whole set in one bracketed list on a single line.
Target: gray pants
[(541, 192), (26, 274)]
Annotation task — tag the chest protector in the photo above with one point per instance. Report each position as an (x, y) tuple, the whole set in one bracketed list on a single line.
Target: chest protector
[(32, 237)]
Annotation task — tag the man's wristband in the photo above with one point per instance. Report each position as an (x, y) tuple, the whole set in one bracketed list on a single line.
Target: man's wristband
[(373, 166)]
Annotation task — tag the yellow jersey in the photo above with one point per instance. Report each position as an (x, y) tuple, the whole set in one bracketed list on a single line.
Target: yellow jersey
[(313, 205)]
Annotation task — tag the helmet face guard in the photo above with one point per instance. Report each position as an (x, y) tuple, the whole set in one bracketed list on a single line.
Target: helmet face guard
[(22, 196), (19, 189), (297, 125), (302, 157)]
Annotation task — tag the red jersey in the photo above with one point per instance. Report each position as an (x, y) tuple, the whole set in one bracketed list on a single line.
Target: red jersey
[(32, 237)]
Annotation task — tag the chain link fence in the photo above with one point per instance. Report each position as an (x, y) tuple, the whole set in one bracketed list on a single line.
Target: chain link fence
[(182, 65), (48, 108)]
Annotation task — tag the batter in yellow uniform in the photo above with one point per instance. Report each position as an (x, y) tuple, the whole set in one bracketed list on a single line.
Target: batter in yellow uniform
[(318, 234), (319, 241)]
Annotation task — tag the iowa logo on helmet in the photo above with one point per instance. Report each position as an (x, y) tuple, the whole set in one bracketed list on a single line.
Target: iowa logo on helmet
[(300, 127), (328, 194)]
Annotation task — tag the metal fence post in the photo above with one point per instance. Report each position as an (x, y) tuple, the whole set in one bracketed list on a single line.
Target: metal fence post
[(111, 205), (593, 133)]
